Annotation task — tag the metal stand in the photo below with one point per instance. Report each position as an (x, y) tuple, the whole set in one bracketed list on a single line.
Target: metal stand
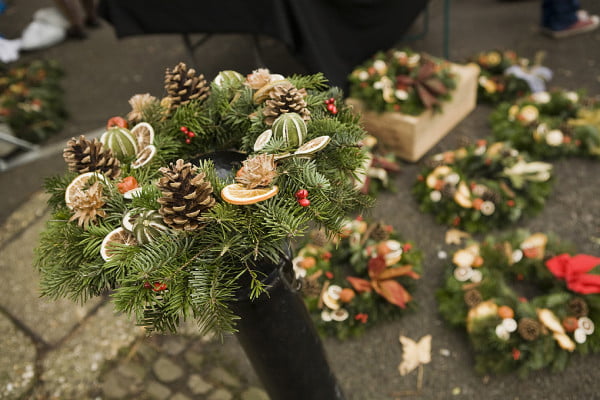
[(281, 342)]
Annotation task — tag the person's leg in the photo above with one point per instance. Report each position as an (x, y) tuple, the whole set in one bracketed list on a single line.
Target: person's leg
[(559, 14), (91, 16), (71, 11)]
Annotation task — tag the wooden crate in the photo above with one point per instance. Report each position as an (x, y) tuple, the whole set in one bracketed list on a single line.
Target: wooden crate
[(409, 137)]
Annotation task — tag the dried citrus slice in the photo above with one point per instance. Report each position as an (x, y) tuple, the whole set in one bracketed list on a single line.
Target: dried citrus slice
[(144, 156), (263, 93), (81, 182), (117, 236), (144, 134), (313, 146), (263, 139), (130, 194), (238, 194)]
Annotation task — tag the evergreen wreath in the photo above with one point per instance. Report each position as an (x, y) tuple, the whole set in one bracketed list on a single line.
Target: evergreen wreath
[(482, 186), (549, 125), (402, 81), (32, 100), (505, 76), (550, 315), (361, 277), (175, 239)]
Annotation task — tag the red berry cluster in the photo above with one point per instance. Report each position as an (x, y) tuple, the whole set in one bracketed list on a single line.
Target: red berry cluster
[(331, 107), (156, 286), (302, 197), (189, 134)]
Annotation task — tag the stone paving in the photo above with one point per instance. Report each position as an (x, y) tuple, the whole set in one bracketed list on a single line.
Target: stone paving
[(58, 349)]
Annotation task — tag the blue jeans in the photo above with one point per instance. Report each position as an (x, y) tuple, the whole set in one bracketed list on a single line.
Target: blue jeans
[(559, 14)]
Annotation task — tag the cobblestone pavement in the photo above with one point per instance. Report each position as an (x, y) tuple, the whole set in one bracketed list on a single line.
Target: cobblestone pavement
[(61, 350)]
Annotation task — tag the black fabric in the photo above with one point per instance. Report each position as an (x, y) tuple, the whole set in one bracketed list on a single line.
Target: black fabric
[(329, 36)]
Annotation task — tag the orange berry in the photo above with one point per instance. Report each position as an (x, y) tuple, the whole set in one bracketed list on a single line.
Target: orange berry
[(505, 312), (347, 295), (477, 203), (477, 262), (308, 262)]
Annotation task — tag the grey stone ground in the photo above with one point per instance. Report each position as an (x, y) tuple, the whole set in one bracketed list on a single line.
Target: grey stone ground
[(61, 350)]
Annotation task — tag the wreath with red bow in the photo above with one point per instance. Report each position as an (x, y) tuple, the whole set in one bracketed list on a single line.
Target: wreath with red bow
[(548, 315)]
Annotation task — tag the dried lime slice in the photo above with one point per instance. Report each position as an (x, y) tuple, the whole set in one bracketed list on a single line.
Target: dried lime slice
[(144, 134), (144, 157), (80, 182), (313, 146), (263, 139), (117, 236)]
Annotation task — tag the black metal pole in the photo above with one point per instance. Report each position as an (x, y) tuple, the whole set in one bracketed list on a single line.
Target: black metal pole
[(281, 342)]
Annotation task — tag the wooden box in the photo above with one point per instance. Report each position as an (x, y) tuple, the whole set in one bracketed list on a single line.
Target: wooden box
[(410, 137)]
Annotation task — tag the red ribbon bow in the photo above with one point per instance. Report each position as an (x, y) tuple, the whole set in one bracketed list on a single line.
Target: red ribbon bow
[(574, 270)]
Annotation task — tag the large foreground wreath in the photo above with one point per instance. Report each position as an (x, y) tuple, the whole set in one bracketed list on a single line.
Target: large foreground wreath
[(548, 314), (482, 186), (174, 239), (550, 124)]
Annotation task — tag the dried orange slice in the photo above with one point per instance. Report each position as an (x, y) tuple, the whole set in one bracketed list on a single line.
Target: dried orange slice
[(117, 236), (144, 134), (238, 194), (144, 156), (81, 182), (313, 146)]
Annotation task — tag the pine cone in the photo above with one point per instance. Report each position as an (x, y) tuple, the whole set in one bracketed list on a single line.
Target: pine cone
[(473, 298), (318, 238), (577, 307), (258, 171), (87, 205), (182, 86), (529, 329), (491, 195), (139, 104), (285, 98), (448, 190), (186, 195), (83, 156), (379, 232)]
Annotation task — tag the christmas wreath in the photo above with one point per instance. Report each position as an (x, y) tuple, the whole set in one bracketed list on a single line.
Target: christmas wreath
[(482, 186), (549, 125), (549, 314), (177, 230), (31, 99), (402, 81), (506, 77), (362, 276)]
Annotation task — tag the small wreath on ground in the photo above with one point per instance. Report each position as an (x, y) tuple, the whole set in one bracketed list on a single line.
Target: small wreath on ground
[(359, 278), (32, 100), (510, 331), (482, 186), (549, 125), (505, 76), (402, 81)]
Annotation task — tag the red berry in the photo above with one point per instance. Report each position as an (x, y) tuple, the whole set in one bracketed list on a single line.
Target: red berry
[(147, 285), (188, 141), (301, 194), (184, 129), (191, 134), (304, 202), (332, 100), (159, 286), (329, 275), (330, 107), (334, 110)]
